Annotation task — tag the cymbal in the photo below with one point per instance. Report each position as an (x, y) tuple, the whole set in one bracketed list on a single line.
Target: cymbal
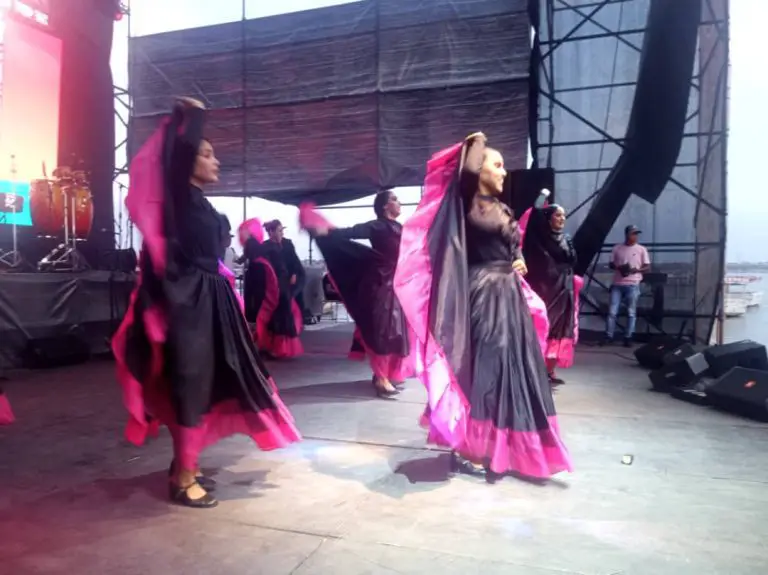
[(62, 171)]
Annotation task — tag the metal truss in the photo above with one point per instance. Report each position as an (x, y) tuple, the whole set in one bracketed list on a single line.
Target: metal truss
[(123, 105), (550, 100), (122, 115)]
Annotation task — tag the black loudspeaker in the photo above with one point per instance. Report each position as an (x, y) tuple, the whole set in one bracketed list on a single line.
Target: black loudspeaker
[(651, 355), (681, 373), (742, 391), (522, 188), (56, 351), (656, 281), (679, 353), (747, 353), (119, 260), (695, 394)]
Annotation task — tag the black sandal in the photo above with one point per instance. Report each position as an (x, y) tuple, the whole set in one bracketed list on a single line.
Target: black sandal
[(180, 496), (554, 380), (206, 483), (383, 393), (465, 467), (491, 477)]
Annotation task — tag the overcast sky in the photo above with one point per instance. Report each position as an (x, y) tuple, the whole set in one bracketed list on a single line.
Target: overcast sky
[(748, 110)]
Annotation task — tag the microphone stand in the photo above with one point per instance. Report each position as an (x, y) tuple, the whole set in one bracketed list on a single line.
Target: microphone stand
[(13, 258)]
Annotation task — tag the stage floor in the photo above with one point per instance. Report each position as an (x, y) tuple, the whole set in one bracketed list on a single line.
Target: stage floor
[(362, 494)]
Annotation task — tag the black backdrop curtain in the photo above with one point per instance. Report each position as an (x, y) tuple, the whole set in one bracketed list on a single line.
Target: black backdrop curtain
[(655, 131), (343, 101)]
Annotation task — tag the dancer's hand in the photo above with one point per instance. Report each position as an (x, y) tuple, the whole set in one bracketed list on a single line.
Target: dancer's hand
[(320, 232), (475, 152), (293, 280), (189, 102), (520, 267), (477, 136)]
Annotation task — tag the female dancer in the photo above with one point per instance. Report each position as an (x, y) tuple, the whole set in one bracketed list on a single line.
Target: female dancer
[(363, 277), (184, 353), (551, 258), (269, 288), (480, 328)]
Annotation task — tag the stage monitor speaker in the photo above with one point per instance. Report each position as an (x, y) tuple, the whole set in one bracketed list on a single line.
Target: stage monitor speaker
[(746, 353), (695, 394), (522, 188), (680, 353), (56, 351), (742, 391), (651, 355), (681, 373)]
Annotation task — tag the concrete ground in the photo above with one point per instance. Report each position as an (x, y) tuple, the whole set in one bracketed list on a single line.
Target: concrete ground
[(363, 494)]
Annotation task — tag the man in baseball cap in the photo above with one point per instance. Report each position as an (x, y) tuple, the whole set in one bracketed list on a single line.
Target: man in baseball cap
[(629, 260)]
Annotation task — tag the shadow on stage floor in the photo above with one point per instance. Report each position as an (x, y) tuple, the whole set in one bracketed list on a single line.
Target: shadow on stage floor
[(363, 494)]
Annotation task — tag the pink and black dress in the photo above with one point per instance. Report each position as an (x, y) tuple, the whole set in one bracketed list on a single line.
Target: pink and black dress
[(550, 258), (480, 329), (270, 303), (363, 276), (185, 357)]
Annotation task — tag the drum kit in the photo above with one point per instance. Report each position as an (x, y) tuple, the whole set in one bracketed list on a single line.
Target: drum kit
[(61, 209)]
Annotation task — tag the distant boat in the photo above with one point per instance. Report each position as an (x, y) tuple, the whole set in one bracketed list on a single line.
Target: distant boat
[(734, 306), (737, 297)]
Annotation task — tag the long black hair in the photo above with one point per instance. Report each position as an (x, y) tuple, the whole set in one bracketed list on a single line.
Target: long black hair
[(380, 202)]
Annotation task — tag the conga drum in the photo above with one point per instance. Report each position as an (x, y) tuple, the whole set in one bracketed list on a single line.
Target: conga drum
[(80, 195), (46, 206)]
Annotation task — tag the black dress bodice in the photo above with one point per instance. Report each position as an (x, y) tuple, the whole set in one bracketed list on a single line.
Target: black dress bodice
[(384, 235), (385, 238), (492, 232), (364, 279), (199, 231), (550, 255)]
